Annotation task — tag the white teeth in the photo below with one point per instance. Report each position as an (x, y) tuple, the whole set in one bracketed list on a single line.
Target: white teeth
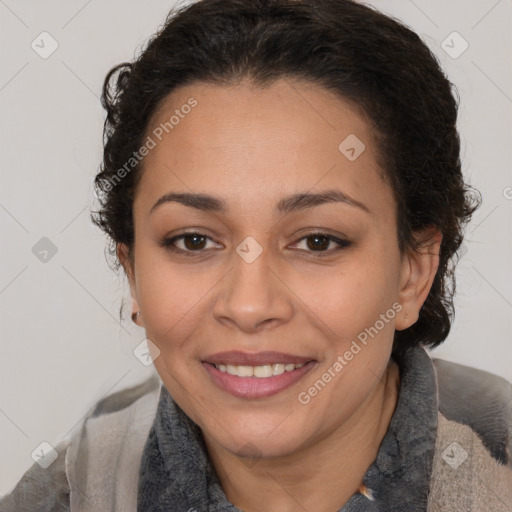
[(278, 369), (262, 371), (244, 371)]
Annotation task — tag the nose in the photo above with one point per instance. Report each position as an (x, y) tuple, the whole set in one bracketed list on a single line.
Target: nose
[(253, 295)]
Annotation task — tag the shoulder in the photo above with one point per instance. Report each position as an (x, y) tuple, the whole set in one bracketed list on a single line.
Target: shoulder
[(472, 466), (480, 400), (41, 489), (97, 444), (104, 456), (126, 398)]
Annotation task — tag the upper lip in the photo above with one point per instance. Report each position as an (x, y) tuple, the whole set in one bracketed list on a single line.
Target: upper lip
[(238, 358)]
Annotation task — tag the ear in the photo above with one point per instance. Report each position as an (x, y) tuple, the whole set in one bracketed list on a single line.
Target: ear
[(127, 263), (417, 273)]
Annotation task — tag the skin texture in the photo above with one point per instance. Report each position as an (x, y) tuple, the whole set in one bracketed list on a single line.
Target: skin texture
[(253, 146)]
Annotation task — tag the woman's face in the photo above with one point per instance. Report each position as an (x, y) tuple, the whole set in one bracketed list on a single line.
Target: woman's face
[(255, 289)]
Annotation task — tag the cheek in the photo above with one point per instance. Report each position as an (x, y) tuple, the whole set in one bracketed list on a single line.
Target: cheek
[(173, 303), (366, 310), (354, 297)]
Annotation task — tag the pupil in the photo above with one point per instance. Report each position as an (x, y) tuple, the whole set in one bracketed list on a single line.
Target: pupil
[(193, 245), (324, 245)]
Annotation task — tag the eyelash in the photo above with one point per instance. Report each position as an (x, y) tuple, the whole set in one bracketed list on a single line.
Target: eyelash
[(167, 243)]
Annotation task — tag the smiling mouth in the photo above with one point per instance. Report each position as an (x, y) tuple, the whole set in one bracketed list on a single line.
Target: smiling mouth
[(255, 375), (260, 371)]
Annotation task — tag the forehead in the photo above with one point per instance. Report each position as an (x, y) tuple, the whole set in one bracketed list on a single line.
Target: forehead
[(249, 144)]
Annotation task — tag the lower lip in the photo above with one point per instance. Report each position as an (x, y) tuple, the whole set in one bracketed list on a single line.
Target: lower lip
[(256, 387)]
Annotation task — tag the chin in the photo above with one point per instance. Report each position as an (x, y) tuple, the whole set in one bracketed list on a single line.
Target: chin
[(257, 442)]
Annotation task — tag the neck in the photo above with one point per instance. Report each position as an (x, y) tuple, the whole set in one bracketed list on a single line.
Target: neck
[(312, 478)]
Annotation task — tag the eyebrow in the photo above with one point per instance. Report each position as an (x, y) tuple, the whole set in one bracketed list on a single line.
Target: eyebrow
[(293, 203)]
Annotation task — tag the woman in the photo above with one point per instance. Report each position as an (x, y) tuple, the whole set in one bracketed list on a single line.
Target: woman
[(282, 186)]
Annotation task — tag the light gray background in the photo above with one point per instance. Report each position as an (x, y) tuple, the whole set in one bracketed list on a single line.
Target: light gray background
[(62, 345)]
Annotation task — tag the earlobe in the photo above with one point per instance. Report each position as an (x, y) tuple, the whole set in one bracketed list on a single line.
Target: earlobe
[(419, 268), (136, 311)]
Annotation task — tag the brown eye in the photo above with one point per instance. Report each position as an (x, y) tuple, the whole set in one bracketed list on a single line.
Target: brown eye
[(194, 241), (192, 244), (320, 243)]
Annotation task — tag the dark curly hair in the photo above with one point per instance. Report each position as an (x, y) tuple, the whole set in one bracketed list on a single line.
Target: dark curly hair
[(362, 55)]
